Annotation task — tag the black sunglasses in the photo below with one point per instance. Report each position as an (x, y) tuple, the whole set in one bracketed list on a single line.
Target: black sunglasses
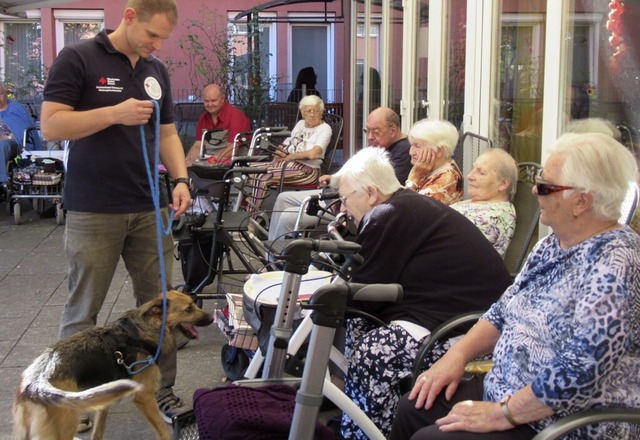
[(544, 189)]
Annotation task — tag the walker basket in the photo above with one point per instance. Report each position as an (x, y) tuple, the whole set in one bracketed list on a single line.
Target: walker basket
[(230, 320), (185, 427)]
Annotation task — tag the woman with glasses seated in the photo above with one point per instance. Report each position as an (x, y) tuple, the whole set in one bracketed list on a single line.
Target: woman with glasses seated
[(300, 155), (564, 336), (434, 172)]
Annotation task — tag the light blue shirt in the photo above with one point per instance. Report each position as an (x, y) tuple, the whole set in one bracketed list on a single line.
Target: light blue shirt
[(18, 120)]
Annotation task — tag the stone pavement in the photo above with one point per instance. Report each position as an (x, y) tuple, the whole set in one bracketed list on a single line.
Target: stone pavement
[(33, 288)]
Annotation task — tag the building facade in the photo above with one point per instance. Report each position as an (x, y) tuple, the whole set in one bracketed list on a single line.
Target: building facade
[(516, 72)]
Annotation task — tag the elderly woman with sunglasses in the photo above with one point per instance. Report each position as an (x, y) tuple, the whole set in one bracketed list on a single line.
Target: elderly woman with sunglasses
[(443, 262), (301, 154), (565, 335), (434, 173)]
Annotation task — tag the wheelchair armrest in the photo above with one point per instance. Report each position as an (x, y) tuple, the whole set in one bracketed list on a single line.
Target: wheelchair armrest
[(244, 160), (438, 334), (588, 417)]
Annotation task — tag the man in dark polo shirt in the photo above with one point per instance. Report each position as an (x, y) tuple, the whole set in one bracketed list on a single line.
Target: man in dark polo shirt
[(98, 95)]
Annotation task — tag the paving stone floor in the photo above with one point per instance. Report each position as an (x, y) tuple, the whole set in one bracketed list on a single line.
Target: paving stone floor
[(33, 288)]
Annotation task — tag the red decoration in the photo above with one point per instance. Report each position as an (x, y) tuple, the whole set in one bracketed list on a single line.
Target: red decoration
[(616, 41)]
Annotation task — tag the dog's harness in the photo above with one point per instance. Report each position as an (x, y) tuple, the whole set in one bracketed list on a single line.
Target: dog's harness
[(125, 343)]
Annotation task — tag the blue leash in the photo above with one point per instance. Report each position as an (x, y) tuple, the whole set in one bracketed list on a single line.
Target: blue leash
[(154, 184)]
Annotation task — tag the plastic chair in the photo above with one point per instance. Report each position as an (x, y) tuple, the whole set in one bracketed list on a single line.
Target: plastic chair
[(527, 216), (470, 146), (336, 122), (186, 116)]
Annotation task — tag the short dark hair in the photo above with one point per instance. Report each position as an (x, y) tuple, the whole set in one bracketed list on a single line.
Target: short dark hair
[(148, 8)]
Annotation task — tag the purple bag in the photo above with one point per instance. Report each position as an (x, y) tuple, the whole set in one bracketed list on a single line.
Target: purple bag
[(248, 413)]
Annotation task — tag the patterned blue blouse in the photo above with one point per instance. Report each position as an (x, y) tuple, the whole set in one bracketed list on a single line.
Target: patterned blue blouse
[(570, 326)]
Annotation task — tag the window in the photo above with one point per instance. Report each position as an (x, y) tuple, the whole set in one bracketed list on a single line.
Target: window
[(76, 25), (311, 44), (22, 58), (241, 41)]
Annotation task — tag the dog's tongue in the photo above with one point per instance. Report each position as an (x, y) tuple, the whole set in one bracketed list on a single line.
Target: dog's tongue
[(192, 331)]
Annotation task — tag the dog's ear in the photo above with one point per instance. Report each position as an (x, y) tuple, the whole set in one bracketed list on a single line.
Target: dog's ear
[(153, 307)]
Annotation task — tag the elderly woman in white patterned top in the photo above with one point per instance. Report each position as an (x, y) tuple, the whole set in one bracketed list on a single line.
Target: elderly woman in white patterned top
[(491, 187), (301, 154)]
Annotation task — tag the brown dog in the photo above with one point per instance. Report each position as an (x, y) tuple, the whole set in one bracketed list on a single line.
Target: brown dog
[(88, 371)]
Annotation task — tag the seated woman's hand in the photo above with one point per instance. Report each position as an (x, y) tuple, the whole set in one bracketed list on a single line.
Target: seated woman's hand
[(445, 373), (474, 416), (427, 159), (280, 153)]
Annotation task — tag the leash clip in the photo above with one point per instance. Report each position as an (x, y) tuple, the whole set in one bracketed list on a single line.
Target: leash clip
[(120, 359), (130, 368)]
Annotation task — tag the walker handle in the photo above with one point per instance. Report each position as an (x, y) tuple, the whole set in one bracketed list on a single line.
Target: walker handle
[(375, 292)]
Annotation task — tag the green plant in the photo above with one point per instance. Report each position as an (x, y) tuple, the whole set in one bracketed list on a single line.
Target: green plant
[(23, 72), (217, 54)]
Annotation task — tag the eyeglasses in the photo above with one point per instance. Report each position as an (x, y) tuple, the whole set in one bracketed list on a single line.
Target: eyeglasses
[(344, 198), (375, 132), (544, 189), (311, 111)]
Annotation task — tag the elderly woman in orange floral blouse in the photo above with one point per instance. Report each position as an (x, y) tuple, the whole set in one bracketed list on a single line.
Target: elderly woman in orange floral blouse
[(434, 173)]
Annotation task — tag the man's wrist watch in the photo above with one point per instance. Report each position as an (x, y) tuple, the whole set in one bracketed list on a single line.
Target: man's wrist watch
[(185, 180)]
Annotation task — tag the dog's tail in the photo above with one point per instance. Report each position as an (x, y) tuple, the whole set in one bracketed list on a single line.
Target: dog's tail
[(92, 398), (36, 386)]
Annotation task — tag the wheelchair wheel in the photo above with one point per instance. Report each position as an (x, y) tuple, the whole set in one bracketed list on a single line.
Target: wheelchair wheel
[(235, 362), (17, 211), (59, 214)]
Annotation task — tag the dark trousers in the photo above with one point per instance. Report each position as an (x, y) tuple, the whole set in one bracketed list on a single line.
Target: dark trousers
[(418, 424)]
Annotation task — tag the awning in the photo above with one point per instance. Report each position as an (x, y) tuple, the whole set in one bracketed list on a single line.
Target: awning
[(277, 3), (19, 7)]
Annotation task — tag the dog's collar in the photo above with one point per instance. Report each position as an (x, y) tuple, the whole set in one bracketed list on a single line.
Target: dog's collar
[(127, 343)]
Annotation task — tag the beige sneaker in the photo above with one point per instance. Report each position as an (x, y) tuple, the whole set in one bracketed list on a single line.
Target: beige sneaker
[(85, 423)]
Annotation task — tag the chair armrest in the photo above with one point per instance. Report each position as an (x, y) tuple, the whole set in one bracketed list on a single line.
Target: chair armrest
[(438, 334), (284, 165), (588, 417)]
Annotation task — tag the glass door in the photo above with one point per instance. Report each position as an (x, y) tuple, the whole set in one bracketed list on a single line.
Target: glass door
[(377, 61), (434, 30)]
